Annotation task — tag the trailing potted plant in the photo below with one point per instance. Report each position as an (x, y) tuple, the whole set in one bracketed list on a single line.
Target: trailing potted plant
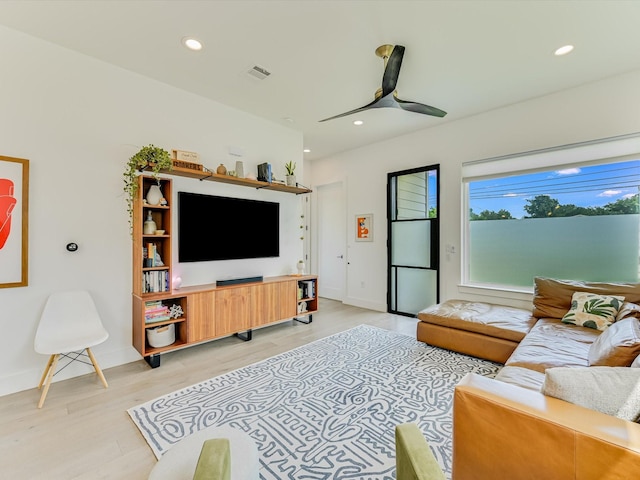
[(291, 177), (149, 156)]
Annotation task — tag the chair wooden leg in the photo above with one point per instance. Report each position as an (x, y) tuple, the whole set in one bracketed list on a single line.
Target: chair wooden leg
[(53, 361), (46, 370), (95, 365)]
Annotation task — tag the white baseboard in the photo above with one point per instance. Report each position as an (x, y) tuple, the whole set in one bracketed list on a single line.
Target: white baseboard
[(28, 379), (358, 302)]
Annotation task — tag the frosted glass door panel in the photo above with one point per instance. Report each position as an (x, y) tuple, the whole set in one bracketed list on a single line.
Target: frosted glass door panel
[(412, 249), (416, 289), (411, 243)]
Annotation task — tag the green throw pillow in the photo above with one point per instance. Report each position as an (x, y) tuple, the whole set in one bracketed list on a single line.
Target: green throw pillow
[(592, 310)]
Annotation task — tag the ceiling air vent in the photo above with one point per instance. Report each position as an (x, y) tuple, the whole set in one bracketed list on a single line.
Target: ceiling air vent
[(258, 72)]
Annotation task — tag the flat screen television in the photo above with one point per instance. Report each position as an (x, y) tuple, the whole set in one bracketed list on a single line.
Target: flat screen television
[(224, 228)]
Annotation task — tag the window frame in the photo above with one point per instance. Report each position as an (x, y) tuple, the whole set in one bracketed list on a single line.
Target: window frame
[(595, 152)]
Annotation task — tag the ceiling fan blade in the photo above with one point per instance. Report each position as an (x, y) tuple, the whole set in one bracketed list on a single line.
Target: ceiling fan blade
[(420, 108), (350, 112), (392, 70), (386, 95)]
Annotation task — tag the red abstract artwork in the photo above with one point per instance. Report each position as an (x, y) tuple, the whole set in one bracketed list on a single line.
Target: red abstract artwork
[(7, 203)]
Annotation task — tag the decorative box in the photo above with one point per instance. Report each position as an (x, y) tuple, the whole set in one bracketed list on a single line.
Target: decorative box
[(188, 156)]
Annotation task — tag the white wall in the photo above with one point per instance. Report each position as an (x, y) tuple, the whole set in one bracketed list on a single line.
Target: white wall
[(603, 109), (78, 121)]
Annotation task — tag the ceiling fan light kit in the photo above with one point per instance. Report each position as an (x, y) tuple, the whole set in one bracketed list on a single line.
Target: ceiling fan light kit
[(386, 96)]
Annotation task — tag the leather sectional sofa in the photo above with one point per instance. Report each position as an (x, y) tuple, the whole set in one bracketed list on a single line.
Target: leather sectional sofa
[(565, 405)]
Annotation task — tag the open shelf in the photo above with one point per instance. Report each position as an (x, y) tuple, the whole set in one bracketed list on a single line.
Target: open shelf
[(307, 295), (245, 182), (155, 350), (163, 322)]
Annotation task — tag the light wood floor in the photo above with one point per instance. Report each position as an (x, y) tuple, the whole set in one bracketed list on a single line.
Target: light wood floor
[(83, 430)]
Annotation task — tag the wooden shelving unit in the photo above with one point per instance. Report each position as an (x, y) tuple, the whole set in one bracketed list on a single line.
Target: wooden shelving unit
[(146, 268), (207, 311), (152, 274), (307, 304)]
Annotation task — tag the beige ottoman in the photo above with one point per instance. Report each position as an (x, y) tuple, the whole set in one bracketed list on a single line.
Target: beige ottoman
[(179, 463), (483, 330)]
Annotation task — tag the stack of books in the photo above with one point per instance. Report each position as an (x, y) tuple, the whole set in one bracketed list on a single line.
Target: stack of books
[(308, 288), (156, 312), (151, 256), (155, 281)]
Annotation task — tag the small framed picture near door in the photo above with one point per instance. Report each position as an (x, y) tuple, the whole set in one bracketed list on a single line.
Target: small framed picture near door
[(364, 227), (14, 221)]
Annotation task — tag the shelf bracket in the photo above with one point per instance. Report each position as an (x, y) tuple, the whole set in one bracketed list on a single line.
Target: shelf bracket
[(246, 336), (208, 174)]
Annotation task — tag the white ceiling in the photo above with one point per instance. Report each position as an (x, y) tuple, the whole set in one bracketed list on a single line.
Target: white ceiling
[(464, 57)]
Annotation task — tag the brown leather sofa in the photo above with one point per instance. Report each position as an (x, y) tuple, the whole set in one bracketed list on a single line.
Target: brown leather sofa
[(478, 329), (502, 431), (507, 428)]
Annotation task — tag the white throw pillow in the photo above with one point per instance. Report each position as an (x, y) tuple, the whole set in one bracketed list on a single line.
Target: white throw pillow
[(611, 390)]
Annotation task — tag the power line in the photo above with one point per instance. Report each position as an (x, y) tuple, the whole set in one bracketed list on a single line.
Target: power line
[(549, 181), (554, 191), (607, 179)]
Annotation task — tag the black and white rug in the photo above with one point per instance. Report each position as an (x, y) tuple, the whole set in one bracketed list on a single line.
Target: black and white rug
[(326, 410)]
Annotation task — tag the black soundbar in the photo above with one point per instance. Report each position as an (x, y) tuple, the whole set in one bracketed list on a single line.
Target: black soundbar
[(235, 281)]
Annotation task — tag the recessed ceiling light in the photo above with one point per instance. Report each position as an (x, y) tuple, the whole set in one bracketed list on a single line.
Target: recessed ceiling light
[(192, 44), (306, 150), (358, 122), (563, 50)]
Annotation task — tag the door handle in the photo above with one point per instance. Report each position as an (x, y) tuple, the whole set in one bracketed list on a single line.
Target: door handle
[(340, 256)]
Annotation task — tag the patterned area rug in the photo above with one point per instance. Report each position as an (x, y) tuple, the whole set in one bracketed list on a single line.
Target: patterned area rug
[(326, 410)]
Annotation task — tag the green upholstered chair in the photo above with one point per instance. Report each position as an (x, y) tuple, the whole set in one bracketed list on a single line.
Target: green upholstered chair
[(220, 453), (414, 459), (214, 462)]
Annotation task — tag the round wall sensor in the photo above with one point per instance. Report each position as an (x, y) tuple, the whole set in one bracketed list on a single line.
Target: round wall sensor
[(72, 247)]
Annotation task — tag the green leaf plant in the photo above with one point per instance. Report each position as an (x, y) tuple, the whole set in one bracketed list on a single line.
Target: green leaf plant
[(150, 156), (291, 168)]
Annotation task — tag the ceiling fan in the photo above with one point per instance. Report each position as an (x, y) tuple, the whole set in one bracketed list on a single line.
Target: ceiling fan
[(386, 96)]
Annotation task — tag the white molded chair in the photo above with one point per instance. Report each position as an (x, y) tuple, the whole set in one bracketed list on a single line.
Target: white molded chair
[(69, 325)]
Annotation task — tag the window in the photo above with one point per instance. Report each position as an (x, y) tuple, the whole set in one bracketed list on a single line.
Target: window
[(578, 220)]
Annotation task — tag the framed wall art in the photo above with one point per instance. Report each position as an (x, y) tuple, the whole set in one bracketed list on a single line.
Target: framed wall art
[(364, 227), (14, 222)]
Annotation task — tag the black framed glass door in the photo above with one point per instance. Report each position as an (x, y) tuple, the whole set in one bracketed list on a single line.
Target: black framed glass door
[(413, 240)]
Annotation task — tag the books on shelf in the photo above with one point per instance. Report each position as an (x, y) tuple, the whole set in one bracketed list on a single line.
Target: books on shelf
[(151, 256), (306, 289), (156, 312), (155, 281)]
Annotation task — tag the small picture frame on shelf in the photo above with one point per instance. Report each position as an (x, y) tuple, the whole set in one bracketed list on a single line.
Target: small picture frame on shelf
[(364, 227)]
